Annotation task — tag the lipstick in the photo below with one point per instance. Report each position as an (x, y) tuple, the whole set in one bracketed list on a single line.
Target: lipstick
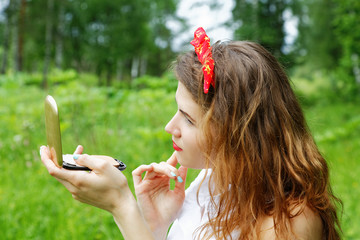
[(176, 147)]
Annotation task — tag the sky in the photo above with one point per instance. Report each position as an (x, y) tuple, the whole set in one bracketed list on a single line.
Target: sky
[(3, 4), (199, 14)]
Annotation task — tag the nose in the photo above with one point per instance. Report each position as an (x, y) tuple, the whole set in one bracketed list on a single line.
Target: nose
[(172, 127)]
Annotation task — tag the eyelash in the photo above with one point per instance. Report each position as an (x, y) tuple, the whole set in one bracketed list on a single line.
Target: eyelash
[(187, 119)]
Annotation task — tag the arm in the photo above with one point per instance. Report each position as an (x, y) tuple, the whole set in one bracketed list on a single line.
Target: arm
[(108, 182)]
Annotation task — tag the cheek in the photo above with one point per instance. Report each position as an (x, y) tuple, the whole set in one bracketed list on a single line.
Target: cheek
[(193, 156)]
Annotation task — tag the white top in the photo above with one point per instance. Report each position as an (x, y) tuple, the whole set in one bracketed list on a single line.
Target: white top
[(193, 214)]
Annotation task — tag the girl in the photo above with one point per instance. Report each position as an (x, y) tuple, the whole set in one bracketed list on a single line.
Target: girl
[(238, 120)]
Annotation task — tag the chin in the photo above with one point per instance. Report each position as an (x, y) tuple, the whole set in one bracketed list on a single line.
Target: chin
[(194, 163)]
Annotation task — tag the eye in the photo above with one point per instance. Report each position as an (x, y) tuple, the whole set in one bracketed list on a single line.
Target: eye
[(188, 120)]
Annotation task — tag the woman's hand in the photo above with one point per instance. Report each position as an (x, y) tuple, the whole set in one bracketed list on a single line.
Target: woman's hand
[(104, 187), (158, 203)]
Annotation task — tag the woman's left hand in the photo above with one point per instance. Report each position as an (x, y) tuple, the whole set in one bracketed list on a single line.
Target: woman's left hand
[(158, 203)]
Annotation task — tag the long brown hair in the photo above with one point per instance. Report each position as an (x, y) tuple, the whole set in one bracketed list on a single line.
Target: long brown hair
[(258, 143)]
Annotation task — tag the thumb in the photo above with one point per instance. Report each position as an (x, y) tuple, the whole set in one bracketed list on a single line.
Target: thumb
[(79, 149)]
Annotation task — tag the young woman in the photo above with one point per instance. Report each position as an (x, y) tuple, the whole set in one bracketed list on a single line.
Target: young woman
[(238, 120)]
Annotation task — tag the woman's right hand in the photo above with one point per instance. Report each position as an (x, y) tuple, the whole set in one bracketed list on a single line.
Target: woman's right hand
[(104, 187), (158, 203)]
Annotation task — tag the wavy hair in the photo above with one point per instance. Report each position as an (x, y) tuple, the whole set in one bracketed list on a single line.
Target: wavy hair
[(258, 143)]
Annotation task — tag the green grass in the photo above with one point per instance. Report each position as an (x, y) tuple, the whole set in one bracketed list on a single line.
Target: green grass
[(336, 128), (127, 124)]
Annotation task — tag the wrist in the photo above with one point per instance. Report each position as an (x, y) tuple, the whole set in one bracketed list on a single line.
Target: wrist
[(160, 234), (122, 204), (158, 227), (130, 221)]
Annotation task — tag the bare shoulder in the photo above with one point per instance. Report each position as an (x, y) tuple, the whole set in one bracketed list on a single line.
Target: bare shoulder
[(307, 225)]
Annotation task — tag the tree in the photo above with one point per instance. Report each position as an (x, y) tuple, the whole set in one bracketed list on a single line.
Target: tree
[(317, 36), (21, 30), (6, 38), (261, 21), (48, 41), (101, 36), (346, 22), (60, 35), (329, 41)]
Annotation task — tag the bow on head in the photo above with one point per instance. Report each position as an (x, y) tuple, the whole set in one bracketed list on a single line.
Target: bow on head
[(202, 46)]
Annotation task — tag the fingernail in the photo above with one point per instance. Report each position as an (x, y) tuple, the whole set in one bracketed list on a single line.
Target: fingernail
[(76, 156), (180, 180), (40, 151), (173, 174)]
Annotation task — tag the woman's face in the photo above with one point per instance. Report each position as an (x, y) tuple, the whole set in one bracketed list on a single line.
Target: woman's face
[(185, 131)]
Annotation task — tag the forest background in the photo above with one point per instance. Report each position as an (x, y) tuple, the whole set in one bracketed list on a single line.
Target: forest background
[(108, 65)]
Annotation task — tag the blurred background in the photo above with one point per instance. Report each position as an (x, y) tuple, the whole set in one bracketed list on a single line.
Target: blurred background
[(108, 65)]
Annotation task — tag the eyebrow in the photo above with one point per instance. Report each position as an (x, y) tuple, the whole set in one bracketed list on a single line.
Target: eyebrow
[(187, 115)]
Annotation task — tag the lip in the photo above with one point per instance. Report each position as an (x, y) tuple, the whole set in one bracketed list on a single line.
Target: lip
[(176, 147)]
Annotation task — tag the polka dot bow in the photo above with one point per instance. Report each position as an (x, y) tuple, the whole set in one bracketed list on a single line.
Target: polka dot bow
[(202, 46)]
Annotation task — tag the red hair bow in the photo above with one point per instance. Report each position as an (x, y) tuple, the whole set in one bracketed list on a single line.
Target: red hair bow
[(202, 46)]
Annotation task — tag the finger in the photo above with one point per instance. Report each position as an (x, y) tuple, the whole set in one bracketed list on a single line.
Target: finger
[(180, 185), (46, 158), (53, 170), (45, 154), (79, 149), (172, 160), (137, 178), (163, 168), (41, 149), (98, 165)]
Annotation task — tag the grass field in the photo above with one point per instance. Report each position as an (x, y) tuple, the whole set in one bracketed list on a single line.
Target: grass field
[(127, 124)]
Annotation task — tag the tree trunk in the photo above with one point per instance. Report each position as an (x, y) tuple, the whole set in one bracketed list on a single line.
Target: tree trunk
[(6, 44), (135, 67), (20, 42), (14, 24), (59, 36), (50, 8), (98, 74), (255, 19), (119, 70), (143, 66), (108, 76)]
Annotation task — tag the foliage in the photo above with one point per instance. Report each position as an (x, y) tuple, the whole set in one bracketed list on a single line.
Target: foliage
[(329, 41), (262, 22), (129, 123), (347, 17), (169, 83), (110, 38)]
